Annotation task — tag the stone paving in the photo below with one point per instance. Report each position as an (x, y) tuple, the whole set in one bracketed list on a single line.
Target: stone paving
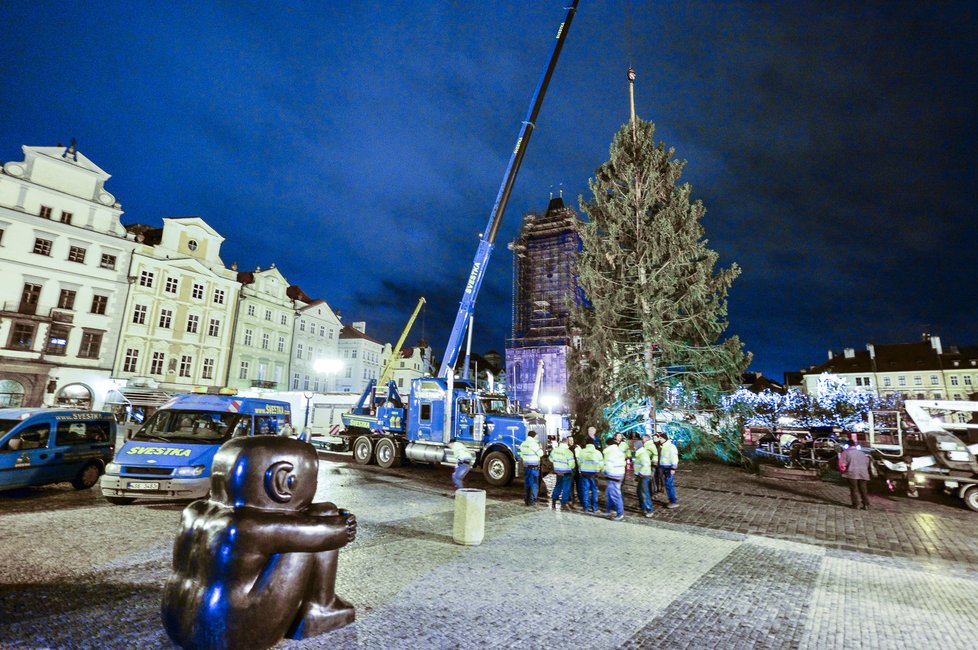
[(729, 569)]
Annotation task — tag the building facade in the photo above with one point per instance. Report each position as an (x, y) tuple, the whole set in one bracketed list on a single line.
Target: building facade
[(64, 259), (317, 362), (411, 363), (361, 357), (179, 316), (261, 343)]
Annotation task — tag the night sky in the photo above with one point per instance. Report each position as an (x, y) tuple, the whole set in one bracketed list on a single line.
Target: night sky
[(359, 146)]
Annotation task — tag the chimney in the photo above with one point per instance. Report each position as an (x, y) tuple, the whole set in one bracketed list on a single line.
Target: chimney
[(849, 353), (872, 350), (831, 356), (935, 342), (360, 326)]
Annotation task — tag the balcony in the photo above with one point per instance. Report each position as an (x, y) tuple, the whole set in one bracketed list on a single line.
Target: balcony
[(31, 311)]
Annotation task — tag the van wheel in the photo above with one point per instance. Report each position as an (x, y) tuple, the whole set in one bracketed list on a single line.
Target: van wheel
[(363, 450), (387, 453), (971, 498), (87, 477), (498, 469), (120, 501)]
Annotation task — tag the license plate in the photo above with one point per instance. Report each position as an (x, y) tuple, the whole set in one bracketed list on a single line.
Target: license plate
[(143, 486)]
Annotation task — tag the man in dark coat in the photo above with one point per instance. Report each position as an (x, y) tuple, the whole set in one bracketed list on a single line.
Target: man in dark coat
[(854, 465)]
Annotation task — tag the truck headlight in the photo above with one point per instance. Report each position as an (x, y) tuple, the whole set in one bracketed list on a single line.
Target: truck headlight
[(113, 468), (192, 470)]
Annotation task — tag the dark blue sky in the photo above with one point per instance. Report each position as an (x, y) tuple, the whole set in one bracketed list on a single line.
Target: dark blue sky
[(360, 146)]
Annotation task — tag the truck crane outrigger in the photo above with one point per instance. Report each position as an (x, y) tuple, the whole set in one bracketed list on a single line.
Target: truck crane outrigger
[(442, 408)]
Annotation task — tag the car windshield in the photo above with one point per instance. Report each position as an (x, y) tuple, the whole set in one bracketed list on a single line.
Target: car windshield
[(494, 405), (7, 425), (201, 427)]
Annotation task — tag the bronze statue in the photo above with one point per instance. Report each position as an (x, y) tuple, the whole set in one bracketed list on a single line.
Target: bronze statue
[(257, 561)]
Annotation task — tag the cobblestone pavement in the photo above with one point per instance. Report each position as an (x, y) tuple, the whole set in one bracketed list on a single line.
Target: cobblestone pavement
[(745, 562)]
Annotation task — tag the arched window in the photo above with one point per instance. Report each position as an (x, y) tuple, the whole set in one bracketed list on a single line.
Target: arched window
[(78, 396), (11, 393)]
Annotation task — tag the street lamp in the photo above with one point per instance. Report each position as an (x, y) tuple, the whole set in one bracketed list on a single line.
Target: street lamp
[(549, 401), (327, 366), (308, 395)]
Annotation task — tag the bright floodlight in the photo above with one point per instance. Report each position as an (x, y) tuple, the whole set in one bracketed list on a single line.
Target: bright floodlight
[(549, 401), (328, 366)]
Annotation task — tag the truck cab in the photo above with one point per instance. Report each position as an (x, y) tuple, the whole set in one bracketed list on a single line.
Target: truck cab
[(42, 446), (170, 456)]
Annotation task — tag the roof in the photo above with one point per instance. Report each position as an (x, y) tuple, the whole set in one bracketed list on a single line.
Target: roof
[(151, 235), (841, 364), (349, 333), (76, 158), (295, 292)]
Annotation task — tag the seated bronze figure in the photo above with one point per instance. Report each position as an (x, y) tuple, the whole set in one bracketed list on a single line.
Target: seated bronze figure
[(257, 561)]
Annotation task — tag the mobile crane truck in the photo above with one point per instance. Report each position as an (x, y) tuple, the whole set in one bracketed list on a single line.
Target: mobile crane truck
[(386, 430)]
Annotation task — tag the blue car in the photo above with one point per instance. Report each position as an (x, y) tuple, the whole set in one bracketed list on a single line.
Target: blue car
[(41, 446)]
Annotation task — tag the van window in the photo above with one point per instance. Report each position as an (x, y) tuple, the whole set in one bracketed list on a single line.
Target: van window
[(32, 437), (425, 412), (77, 433)]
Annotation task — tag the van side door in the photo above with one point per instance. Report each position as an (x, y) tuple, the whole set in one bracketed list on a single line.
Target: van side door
[(24, 458), (77, 443)]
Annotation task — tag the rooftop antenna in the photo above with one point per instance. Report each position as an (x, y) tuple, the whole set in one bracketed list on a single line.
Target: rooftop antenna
[(631, 96), (561, 190), (71, 151)]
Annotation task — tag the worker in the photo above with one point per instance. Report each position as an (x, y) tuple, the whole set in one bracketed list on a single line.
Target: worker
[(591, 462), (575, 481), (463, 461), (655, 484), (643, 476), (668, 462), (614, 471), (563, 460), (530, 453)]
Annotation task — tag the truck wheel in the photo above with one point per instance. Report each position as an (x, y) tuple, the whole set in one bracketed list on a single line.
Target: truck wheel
[(87, 477), (971, 498), (363, 450), (120, 501), (387, 453), (498, 469)]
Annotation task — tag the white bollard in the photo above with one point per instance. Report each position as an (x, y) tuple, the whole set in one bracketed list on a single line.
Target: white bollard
[(470, 516)]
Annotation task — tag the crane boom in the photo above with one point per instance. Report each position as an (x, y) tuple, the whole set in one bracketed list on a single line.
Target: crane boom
[(396, 352), (488, 238)]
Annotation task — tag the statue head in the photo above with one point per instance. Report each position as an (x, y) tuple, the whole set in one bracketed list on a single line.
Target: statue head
[(265, 472)]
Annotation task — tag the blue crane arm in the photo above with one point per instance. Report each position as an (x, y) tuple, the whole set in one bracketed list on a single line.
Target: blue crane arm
[(488, 238)]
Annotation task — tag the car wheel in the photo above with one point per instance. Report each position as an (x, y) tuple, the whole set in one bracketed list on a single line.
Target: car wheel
[(363, 450), (120, 501), (498, 469), (87, 477), (971, 498), (387, 453)]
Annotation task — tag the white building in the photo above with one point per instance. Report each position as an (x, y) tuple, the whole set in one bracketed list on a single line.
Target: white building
[(360, 355), (317, 362), (262, 340), (412, 362), (63, 262), (180, 312)]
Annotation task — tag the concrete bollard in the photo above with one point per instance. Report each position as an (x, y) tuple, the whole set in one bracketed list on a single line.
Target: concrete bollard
[(470, 516)]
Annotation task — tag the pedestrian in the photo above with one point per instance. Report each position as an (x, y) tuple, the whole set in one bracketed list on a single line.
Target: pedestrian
[(668, 462), (854, 465), (575, 488), (592, 438), (463, 461), (563, 460), (591, 462), (643, 477), (530, 453), (614, 471)]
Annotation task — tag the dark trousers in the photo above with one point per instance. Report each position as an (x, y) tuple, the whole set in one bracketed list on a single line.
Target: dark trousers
[(858, 485)]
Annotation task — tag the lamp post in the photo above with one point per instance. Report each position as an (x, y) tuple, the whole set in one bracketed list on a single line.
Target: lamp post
[(308, 395), (328, 366)]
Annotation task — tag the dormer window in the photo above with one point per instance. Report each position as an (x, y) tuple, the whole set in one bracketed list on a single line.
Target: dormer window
[(192, 245)]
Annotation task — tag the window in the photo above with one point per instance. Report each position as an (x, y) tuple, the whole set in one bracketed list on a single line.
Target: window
[(99, 303), (57, 339), (954, 380), (214, 328), (139, 314), (198, 291), (331, 334), (302, 326), (91, 343), (933, 380), (967, 380), (192, 245), (298, 351), (322, 330), (295, 381), (264, 341), (247, 338), (67, 299), (425, 412), (166, 316), (108, 261), (281, 344), (131, 361), (251, 310), (918, 381), (156, 365), (285, 319), (349, 372), (268, 315), (866, 381), (42, 246), (1, 234), (193, 322), (305, 383), (185, 363), (66, 217), (315, 385), (45, 212), (76, 254), (171, 285), (207, 372), (902, 381), (21, 336), (243, 370), (353, 354), (887, 381), (219, 296), (146, 279)]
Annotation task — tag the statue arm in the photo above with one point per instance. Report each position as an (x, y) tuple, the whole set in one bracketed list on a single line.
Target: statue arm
[(317, 529)]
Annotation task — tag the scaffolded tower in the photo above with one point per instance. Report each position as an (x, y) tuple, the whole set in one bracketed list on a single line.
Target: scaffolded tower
[(544, 292)]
